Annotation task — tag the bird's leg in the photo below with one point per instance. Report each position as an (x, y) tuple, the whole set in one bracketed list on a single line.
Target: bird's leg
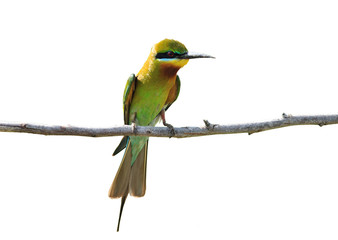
[(133, 124), (171, 128)]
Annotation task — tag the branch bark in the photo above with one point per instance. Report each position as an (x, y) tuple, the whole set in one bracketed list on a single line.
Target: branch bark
[(180, 132)]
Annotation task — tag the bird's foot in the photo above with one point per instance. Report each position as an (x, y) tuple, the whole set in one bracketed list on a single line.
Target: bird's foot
[(133, 127), (133, 122), (171, 129)]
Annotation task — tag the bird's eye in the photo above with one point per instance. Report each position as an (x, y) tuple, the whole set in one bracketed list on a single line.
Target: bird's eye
[(170, 54)]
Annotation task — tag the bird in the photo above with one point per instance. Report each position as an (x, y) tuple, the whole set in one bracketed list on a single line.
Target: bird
[(147, 96)]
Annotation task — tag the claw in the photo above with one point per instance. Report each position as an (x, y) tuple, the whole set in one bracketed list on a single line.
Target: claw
[(171, 129), (133, 123), (133, 127)]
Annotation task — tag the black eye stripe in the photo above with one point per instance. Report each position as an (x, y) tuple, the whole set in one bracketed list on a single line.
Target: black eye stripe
[(165, 55), (169, 54)]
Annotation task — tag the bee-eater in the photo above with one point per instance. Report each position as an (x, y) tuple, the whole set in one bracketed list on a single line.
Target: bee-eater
[(146, 98)]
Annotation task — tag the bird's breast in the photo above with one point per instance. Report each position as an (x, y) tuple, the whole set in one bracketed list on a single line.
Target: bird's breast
[(150, 97)]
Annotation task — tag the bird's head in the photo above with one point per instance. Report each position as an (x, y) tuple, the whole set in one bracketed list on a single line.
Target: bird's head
[(172, 53)]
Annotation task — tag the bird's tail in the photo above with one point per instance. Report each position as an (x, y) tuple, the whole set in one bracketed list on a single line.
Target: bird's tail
[(130, 178)]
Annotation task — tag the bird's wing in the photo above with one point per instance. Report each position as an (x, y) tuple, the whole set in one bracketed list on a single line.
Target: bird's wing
[(128, 96), (173, 94)]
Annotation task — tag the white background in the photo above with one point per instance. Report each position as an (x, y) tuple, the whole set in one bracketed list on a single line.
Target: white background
[(66, 62)]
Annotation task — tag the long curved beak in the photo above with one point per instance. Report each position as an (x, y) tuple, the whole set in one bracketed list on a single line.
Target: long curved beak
[(190, 55)]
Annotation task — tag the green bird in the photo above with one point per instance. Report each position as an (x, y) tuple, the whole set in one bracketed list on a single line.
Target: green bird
[(146, 98)]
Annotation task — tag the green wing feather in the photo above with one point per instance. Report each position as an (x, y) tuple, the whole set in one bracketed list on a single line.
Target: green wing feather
[(122, 145), (127, 98)]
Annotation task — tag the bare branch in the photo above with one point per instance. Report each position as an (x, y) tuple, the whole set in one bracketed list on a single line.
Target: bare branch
[(180, 132)]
